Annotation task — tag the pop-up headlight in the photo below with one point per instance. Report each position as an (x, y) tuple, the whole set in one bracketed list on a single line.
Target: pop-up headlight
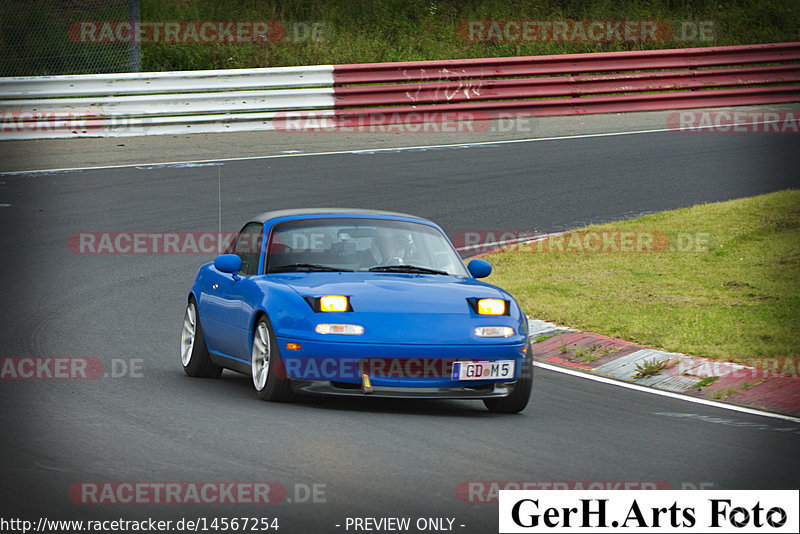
[(491, 307), (334, 303)]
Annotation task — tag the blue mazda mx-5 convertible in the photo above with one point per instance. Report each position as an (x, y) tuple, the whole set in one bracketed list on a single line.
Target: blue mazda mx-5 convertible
[(360, 303)]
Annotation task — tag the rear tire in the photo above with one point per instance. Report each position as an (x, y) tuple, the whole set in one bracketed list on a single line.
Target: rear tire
[(266, 365), (194, 351), (520, 395)]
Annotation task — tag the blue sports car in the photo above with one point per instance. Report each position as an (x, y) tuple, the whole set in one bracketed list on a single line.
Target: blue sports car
[(359, 303)]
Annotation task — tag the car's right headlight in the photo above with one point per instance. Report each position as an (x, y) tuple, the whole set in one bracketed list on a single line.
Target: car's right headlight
[(491, 307), (334, 303)]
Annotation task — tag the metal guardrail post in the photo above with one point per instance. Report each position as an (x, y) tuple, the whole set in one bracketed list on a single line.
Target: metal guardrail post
[(135, 46)]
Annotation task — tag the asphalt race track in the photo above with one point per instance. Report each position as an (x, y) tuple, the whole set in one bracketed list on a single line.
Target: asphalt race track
[(147, 422)]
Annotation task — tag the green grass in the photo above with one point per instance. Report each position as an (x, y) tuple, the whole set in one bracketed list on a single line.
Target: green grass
[(739, 300), (705, 382), (727, 392), (586, 353), (406, 30), (650, 368), (34, 40)]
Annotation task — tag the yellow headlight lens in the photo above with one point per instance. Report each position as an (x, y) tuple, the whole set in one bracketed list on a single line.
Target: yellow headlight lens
[(333, 303), (491, 307)]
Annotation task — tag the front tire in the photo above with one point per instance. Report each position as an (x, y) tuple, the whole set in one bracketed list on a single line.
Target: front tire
[(194, 351), (269, 375), (520, 395)]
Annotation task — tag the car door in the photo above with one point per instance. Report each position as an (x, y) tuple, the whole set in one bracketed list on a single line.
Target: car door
[(225, 315)]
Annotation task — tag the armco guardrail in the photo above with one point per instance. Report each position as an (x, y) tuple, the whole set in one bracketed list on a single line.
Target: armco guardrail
[(574, 83), (128, 104), (331, 96)]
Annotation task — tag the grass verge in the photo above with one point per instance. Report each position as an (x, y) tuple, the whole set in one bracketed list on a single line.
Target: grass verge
[(723, 280), (408, 30), (35, 34)]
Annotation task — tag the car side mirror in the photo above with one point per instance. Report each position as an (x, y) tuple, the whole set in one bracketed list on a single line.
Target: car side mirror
[(479, 268), (228, 263)]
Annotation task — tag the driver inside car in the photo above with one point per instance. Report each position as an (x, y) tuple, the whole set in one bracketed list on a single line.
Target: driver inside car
[(397, 249)]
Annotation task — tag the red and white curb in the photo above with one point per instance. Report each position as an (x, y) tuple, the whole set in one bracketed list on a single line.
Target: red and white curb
[(772, 390)]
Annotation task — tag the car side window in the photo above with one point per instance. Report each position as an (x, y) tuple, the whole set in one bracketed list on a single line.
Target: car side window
[(248, 247)]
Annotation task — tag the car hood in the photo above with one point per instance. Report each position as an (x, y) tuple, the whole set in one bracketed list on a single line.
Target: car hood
[(398, 308), (394, 292)]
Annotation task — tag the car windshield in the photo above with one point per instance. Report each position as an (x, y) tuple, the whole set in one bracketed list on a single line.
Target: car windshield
[(376, 245)]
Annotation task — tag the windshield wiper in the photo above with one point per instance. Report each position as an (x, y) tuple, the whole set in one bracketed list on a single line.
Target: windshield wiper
[(405, 269), (308, 267)]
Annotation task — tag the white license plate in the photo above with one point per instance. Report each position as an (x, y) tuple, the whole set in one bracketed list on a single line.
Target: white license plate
[(483, 370)]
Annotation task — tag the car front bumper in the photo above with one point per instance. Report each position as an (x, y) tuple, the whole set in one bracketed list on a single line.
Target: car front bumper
[(396, 370), (343, 389)]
